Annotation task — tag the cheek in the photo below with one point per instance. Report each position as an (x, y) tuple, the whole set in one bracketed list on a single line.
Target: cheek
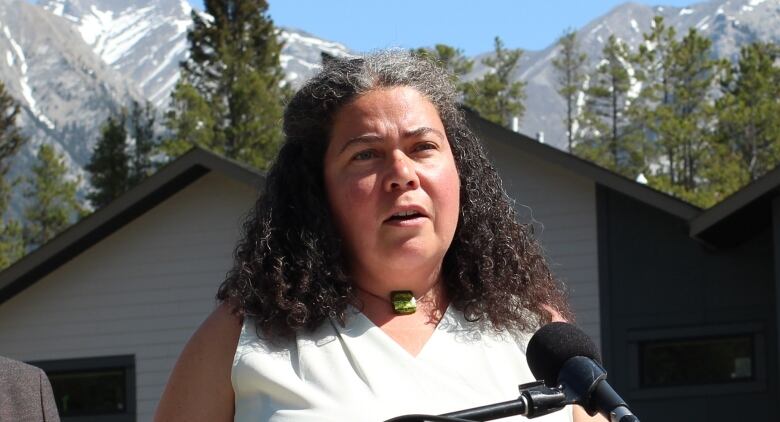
[(350, 200), (448, 199)]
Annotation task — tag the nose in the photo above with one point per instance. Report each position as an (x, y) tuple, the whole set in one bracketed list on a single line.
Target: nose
[(401, 174)]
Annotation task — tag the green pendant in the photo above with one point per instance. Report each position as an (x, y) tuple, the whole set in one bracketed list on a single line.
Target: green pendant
[(403, 302)]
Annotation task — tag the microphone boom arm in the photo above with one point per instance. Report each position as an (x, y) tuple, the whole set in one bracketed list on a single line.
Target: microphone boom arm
[(536, 399)]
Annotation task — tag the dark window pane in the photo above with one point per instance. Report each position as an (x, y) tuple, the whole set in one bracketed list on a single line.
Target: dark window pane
[(696, 361), (94, 392)]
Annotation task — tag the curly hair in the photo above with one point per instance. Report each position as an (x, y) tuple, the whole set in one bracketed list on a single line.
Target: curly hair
[(290, 270)]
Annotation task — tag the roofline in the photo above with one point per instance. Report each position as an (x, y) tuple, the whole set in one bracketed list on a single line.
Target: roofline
[(731, 205), (167, 181), (570, 162)]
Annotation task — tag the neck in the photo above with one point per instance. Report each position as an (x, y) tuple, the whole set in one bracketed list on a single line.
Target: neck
[(431, 303)]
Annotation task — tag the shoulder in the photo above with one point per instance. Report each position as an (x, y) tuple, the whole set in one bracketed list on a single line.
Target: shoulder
[(202, 373), (11, 369)]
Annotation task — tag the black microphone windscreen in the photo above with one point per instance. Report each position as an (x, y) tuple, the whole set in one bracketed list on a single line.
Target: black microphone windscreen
[(553, 345)]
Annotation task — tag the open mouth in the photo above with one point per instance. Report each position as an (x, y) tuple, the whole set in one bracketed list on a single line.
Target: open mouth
[(405, 216)]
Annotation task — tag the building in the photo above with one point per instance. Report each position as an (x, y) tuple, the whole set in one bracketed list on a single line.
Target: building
[(107, 305)]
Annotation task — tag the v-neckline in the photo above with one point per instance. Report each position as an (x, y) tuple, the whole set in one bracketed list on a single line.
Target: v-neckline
[(371, 327)]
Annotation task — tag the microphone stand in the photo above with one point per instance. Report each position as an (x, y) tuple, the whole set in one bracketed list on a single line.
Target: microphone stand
[(536, 399)]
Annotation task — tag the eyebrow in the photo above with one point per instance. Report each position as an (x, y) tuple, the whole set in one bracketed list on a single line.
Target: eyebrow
[(367, 139)]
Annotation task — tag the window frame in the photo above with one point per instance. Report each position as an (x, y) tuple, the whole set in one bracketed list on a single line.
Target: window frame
[(753, 330), (124, 362)]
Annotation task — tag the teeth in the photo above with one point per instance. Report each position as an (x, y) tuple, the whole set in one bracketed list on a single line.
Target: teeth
[(405, 214)]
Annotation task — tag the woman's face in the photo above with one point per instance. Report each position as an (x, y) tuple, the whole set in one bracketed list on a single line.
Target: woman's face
[(392, 185)]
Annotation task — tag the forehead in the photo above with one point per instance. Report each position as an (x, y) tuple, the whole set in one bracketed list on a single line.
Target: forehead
[(378, 108)]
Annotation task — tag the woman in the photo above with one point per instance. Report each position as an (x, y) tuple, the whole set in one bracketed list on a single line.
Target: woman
[(381, 273)]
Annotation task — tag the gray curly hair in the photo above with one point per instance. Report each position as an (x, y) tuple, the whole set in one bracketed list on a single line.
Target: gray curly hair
[(290, 272)]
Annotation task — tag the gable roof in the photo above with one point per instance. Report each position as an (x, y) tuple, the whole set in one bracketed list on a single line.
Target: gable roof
[(167, 181), (739, 216), (586, 169), (724, 223)]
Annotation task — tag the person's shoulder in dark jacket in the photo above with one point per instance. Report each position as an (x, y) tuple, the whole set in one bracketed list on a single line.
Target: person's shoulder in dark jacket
[(25, 393)]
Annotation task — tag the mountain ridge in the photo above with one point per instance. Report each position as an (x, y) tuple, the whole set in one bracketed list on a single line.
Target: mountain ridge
[(80, 60)]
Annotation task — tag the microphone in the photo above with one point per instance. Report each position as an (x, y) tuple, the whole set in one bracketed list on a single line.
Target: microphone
[(565, 357)]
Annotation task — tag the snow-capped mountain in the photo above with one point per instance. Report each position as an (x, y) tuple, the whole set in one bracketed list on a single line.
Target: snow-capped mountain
[(71, 62), (301, 54), (64, 90), (730, 24), (143, 40)]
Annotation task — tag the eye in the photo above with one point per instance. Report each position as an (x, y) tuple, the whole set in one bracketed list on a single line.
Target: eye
[(364, 155), (424, 146)]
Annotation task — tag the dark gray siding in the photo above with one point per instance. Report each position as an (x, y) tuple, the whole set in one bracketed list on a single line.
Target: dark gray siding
[(657, 282)]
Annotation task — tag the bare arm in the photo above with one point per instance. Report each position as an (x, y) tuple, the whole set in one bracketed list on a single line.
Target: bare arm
[(199, 388), (581, 416)]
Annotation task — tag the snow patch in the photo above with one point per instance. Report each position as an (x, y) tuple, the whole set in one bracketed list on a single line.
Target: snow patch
[(185, 7), (635, 86), (635, 26), (180, 48), (9, 58), (182, 25), (704, 27), (329, 47), (720, 11), (24, 81), (58, 9), (686, 11), (702, 24), (755, 2), (746, 8), (159, 97), (93, 25), (599, 26)]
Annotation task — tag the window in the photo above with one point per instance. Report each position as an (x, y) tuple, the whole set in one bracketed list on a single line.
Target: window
[(696, 361), (88, 389), (699, 361)]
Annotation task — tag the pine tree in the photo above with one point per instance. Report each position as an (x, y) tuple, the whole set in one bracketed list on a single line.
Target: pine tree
[(11, 139), (450, 58), (52, 204), (607, 137), (569, 63), (494, 96), (142, 119), (748, 135), (230, 95), (683, 126), (108, 166)]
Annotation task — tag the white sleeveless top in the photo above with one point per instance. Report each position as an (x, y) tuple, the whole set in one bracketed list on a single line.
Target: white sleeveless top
[(359, 373)]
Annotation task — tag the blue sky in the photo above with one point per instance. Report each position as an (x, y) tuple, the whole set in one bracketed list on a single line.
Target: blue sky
[(365, 25)]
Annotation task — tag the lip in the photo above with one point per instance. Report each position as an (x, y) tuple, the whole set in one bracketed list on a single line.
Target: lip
[(406, 208)]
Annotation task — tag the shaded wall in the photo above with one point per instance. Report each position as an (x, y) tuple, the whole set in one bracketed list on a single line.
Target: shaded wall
[(658, 283)]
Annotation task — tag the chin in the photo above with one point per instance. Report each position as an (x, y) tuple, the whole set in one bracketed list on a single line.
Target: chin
[(408, 257)]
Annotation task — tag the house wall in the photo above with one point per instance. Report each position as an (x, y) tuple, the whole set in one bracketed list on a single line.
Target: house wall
[(141, 291), (562, 208), (663, 284)]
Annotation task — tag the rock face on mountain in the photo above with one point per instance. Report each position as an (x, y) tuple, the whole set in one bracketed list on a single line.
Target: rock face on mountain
[(72, 62), (143, 40), (730, 24), (65, 91)]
